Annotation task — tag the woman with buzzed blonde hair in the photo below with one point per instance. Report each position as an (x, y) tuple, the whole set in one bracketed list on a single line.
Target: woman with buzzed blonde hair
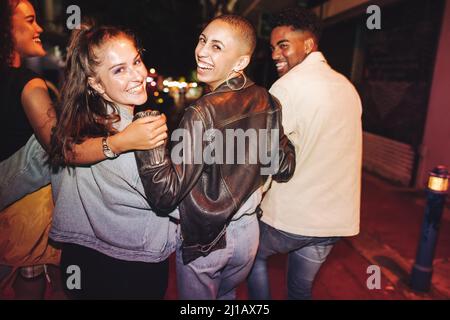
[(218, 198)]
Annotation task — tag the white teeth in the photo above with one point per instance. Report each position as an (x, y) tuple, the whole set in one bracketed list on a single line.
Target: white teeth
[(37, 40), (136, 89), (280, 65), (202, 65)]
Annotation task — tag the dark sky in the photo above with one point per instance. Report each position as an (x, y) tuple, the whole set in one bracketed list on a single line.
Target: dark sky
[(168, 29)]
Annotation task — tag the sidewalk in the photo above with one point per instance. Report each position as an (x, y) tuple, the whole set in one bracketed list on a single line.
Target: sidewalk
[(391, 220)]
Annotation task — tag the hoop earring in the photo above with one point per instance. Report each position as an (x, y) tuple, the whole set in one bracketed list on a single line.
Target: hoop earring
[(242, 75)]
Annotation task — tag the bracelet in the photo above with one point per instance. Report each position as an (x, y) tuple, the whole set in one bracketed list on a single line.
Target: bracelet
[(107, 150)]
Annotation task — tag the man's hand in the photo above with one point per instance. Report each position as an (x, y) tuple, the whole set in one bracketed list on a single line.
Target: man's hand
[(142, 134)]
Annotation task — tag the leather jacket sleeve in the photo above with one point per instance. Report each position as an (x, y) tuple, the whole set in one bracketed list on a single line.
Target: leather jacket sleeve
[(167, 183), (287, 160)]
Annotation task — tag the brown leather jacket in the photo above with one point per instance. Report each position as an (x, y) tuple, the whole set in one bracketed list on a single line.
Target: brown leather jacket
[(208, 195)]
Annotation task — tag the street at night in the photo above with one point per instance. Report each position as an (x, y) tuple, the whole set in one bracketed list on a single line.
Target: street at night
[(246, 150)]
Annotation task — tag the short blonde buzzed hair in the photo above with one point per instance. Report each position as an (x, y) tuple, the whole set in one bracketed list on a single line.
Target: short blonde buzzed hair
[(243, 27)]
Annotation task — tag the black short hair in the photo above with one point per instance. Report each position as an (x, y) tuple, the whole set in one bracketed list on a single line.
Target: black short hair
[(300, 19), (243, 26)]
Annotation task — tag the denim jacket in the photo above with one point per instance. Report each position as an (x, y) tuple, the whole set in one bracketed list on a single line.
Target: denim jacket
[(23, 173), (104, 207)]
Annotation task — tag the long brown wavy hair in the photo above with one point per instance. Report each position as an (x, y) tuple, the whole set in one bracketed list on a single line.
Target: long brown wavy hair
[(82, 113)]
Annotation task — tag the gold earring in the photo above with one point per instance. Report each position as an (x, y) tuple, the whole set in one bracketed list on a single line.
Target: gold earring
[(242, 75)]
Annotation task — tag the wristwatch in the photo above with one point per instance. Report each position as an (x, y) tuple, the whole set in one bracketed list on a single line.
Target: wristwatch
[(156, 155), (107, 150)]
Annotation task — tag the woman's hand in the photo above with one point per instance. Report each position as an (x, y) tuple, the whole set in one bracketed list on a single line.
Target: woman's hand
[(142, 134)]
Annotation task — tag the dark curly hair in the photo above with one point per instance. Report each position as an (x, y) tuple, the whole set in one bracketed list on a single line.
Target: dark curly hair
[(300, 19), (6, 39)]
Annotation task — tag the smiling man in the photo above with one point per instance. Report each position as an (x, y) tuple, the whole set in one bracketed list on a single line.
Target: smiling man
[(291, 44), (322, 117)]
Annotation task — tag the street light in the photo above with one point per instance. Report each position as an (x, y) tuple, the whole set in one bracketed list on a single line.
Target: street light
[(436, 194)]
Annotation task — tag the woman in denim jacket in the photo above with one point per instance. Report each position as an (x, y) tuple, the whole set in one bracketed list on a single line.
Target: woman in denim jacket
[(113, 244), (26, 106)]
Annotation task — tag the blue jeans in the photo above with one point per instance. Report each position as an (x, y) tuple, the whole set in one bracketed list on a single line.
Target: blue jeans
[(305, 256), (217, 275)]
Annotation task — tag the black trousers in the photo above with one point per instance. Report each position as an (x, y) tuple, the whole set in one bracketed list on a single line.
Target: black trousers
[(104, 277)]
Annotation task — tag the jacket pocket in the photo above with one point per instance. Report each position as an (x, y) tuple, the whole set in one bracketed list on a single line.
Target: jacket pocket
[(158, 233)]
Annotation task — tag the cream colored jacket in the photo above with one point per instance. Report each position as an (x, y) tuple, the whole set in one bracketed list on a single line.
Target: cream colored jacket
[(321, 113)]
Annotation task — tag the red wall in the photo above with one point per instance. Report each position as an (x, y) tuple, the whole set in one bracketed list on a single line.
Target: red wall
[(436, 142)]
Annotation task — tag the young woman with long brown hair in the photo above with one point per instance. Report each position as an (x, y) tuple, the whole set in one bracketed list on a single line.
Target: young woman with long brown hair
[(27, 111), (102, 217)]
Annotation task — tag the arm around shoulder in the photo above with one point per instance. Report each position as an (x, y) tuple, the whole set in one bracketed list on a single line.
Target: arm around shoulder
[(167, 180), (39, 109)]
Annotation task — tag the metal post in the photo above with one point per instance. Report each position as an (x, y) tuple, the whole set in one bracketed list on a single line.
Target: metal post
[(436, 194)]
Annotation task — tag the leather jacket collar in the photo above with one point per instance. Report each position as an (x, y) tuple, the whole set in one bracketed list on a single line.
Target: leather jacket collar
[(209, 195), (236, 82)]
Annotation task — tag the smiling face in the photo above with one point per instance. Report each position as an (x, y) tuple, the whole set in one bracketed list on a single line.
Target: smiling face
[(289, 47), (121, 74), (218, 52), (26, 31)]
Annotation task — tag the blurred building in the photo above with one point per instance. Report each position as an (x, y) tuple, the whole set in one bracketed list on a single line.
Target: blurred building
[(401, 71)]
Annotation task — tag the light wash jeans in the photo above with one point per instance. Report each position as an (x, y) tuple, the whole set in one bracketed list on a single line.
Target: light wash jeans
[(217, 275), (24, 172), (305, 257)]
